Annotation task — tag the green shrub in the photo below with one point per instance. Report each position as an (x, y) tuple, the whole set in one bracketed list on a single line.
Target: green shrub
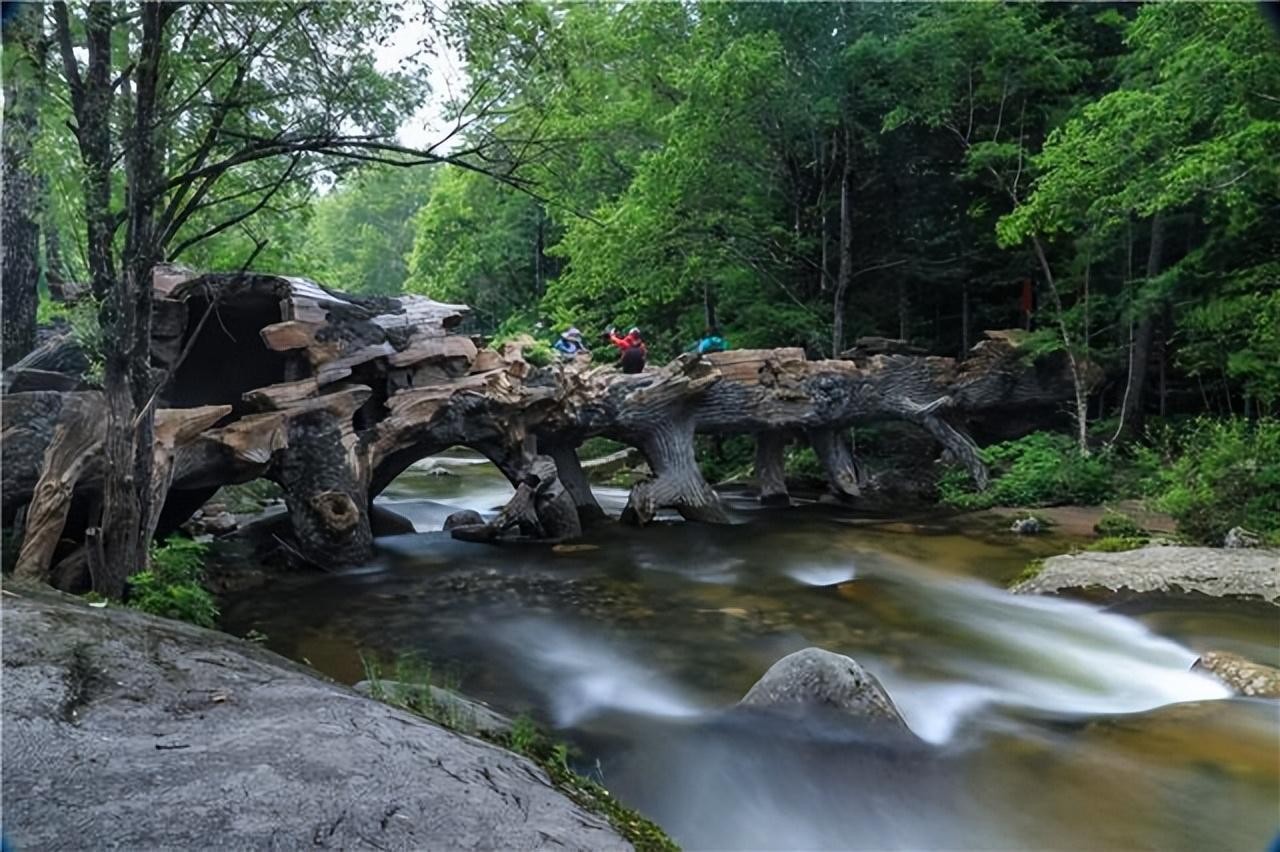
[(47, 310), (1213, 475), (1118, 525), (801, 462), (599, 446), (172, 586), (1040, 469), (539, 353), (729, 457), (246, 498)]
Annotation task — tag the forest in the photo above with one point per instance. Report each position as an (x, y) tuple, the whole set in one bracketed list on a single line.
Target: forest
[(1056, 225), (1104, 176)]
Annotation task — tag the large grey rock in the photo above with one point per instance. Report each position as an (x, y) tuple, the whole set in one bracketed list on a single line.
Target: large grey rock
[(818, 678), (1163, 570), (130, 732)]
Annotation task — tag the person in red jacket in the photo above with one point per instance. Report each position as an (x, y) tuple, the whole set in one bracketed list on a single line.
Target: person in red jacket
[(632, 349)]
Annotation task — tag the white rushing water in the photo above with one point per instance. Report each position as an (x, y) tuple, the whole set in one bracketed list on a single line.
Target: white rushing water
[(1041, 654), (582, 677)]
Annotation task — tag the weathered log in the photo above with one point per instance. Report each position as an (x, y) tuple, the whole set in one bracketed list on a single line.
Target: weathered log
[(334, 395)]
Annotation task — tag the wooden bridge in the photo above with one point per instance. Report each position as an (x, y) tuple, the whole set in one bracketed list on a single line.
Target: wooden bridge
[(333, 395)]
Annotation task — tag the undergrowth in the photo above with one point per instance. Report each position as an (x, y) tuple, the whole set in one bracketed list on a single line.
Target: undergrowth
[(1040, 469), (172, 587), (1212, 475)]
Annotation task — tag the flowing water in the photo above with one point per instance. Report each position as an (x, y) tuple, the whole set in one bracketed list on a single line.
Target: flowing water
[(1047, 724)]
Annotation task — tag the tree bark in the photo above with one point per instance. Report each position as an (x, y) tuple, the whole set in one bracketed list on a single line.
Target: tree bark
[(1133, 413), (845, 475), (24, 76), (569, 469), (771, 474), (76, 440), (555, 513), (845, 275), (677, 481)]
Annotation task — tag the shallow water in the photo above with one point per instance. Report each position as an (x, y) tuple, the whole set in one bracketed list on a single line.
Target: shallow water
[(1050, 724)]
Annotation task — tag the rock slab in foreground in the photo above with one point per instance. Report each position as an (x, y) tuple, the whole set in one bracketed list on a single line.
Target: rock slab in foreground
[(1164, 570), (815, 677), (130, 732)]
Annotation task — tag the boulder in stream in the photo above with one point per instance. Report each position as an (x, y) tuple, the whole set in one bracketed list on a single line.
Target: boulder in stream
[(126, 731), (463, 518), (818, 678), (1243, 675)]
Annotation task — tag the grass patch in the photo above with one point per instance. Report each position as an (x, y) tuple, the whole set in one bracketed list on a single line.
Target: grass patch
[(1029, 572), (411, 690), (411, 687), (553, 756), (1117, 544)]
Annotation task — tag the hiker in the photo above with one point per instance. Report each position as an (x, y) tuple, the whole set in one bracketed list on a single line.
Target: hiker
[(570, 344), (632, 348), (711, 342)]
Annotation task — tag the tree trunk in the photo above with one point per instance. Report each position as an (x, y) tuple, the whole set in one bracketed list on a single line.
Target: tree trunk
[(771, 474), (555, 512), (569, 469), (845, 275), (677, 480), (1132, 415), (22, 197), (834, 449)]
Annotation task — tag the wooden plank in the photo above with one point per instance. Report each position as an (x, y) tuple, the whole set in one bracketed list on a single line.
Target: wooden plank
[(451, 347), (278, 396), (287, 335)]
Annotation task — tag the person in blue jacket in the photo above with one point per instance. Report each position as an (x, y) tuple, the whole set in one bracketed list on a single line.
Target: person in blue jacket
[(711, 342), (570, 344)]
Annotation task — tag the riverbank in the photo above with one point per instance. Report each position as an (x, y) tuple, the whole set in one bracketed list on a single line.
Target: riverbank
[(146, 733)]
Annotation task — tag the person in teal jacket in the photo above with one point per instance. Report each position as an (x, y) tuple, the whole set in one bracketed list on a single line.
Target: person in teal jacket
[(711, 342)]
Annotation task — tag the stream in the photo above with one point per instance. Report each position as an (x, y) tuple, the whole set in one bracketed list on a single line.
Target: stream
[(1046, 724)]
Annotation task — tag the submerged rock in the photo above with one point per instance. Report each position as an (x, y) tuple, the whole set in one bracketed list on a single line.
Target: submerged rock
[(1027, 526), (1163, 570), (127, 731), (384, 522), (818, 678), (463, 518), (1244, 676)]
